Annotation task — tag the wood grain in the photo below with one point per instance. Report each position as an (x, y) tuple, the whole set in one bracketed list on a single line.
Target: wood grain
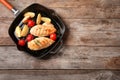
[(79, 3), (85, 12), (83, 9), (59, 75), (69, 57), (67, 3), (92, 41)]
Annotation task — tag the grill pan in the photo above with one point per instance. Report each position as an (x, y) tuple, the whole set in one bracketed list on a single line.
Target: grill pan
[(37, 8)]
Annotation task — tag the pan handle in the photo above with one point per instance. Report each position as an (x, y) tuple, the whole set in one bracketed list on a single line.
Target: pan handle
[(56, 49), (9, 6)]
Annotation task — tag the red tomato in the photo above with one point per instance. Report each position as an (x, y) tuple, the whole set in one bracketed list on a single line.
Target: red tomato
[(29, 37), (31, 23), (21, 42), (53, 36)]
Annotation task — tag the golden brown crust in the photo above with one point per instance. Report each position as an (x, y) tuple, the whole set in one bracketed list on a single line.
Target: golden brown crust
[(32, 45), (40, 43), (43, 30)]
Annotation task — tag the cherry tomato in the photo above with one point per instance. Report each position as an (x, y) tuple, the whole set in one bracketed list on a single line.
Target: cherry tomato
[(29, 37), (53, 36), (31, 23), (21, 42)]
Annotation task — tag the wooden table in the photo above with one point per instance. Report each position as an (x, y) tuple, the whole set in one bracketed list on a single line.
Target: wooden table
[(92, 41)]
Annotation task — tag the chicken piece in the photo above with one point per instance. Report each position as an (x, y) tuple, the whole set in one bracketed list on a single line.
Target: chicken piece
[(40, 43), (43, 30)]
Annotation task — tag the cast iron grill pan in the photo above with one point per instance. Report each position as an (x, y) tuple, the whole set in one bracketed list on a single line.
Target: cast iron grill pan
[(56, 20)]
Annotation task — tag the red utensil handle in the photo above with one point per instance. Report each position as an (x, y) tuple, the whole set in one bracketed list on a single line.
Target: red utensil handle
[(8, 5)]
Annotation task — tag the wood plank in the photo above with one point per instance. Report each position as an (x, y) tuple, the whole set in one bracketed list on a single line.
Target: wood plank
[(88, 32), (82, 12), (67, 3), (96, 38), (69, 57), (85, 25), (78, 3), (82, 9), (59, 75), (89, 12)]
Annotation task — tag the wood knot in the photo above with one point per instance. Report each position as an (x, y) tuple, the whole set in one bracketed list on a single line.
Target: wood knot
[(109, 33), (105, 21), (84, 40), (114, 63)]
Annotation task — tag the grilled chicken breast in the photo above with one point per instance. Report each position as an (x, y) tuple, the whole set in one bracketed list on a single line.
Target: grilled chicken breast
[(40, 43), (43, 30)]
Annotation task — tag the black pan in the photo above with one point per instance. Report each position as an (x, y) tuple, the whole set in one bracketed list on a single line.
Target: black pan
[(37, 8)]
